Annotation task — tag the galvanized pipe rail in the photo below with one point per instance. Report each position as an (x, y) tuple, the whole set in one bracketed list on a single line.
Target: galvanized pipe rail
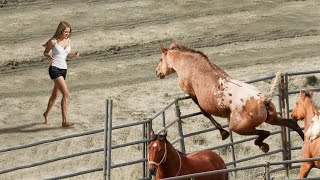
[(266, 165), (147, 125)]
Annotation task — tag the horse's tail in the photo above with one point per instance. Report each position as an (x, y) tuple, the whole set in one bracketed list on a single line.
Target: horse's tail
[(274, 85)]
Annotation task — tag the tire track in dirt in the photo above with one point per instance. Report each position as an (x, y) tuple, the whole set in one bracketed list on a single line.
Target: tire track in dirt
[(126, 53), (131, 23), (116, 53)]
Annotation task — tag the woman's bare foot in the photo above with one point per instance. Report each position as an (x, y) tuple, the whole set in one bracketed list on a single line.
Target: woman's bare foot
[(67, 124), (45, 115)]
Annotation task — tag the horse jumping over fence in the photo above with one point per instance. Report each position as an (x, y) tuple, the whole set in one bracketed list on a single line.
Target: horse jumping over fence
[(166, 161), (216, 93), (305, 109)]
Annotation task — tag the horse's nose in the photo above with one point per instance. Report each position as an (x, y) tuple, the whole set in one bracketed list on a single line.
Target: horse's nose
[(152, 170), (159, 75), (293, 115)]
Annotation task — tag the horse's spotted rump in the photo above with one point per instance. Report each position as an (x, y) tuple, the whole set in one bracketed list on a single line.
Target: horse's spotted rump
[(236, 93)]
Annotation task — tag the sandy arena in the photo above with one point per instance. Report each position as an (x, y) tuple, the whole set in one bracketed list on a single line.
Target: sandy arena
[(119, 44)]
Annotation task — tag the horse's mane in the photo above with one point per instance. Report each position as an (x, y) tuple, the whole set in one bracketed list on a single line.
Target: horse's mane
[(183, 48), (308, 94)]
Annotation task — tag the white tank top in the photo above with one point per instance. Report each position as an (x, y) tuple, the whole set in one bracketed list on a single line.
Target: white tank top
[(60, 55)]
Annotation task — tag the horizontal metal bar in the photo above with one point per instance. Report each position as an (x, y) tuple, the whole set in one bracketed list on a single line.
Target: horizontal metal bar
[(176, 140), (296, 148), (51, 160), (295, 161), (260, 79), (183, 98), (131, 124), (303, 73), (51, 140), (203, 131), (76, 174), (254, 157), (190, 115), (314, 178), (129, 163), (163, 109), (167, 126), (298, 91), (215, 172), (238, 169), (129, 143)]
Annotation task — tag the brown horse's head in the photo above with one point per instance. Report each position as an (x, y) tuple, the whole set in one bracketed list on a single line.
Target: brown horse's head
[(157, 151), (164, 67), (299, 111)]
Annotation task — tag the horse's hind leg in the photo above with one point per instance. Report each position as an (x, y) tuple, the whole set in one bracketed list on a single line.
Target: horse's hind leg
[(224, 134), (290, 123), (262, 135)]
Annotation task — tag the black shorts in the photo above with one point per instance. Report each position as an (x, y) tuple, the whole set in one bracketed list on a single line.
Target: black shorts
[(55, 72)]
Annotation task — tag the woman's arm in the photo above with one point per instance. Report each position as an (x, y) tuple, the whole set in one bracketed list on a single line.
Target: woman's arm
[(72, 55), (49, 46)]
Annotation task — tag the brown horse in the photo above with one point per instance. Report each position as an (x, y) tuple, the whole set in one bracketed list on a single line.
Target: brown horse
[(166, 161), (216, 93), (305, 109)]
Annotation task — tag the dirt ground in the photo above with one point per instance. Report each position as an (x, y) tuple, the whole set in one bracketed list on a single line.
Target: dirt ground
[(119, 44)]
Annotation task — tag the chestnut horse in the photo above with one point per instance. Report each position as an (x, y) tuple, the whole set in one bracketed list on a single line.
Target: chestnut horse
[(216, 93), (305, 109), (166, 161)]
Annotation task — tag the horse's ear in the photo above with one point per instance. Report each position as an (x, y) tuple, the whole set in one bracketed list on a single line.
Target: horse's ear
[(310, 93), (165, 134), (151, 134), (164, 50), (302, 94)]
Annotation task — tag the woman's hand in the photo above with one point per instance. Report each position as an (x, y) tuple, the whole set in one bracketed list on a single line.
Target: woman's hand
[(72, 55), (50, 58)]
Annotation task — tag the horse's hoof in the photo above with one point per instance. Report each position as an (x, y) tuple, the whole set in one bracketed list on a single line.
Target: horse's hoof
[(225, 134), (264, 147)]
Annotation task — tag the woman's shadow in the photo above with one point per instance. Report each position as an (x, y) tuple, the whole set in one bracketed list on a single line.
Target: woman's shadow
[(27, 128)]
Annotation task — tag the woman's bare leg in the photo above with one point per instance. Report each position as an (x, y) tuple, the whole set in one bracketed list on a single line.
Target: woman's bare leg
[(52, 99), (62, 86)]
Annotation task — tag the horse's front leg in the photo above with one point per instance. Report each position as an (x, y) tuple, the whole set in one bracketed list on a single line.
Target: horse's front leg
[(224, 134), (305, 169)]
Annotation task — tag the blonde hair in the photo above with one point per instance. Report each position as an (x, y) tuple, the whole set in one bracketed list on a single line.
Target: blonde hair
[(60, 29)]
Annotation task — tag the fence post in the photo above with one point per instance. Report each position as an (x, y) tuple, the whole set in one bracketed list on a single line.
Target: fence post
[(233, 153), (288, 116), (144, 150), (107, 141), (178, 114), (267, 171), (149, 128), (284, 129)]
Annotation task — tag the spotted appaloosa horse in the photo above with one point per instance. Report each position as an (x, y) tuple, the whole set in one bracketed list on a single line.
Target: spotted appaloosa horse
[(166, 161), (216, 93), (305, 109)]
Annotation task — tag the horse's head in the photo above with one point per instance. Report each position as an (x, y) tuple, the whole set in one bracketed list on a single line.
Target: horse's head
[(299, 111), (164, 67), (157, 151)]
